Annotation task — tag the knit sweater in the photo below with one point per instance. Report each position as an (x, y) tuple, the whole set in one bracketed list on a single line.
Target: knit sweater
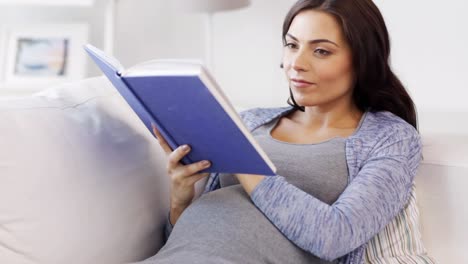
[(382, 155)]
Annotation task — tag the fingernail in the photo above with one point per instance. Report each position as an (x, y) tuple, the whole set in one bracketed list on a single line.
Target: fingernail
[(205, 163), (185, 148)]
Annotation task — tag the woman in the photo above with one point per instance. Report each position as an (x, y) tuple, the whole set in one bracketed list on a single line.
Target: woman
[(346, 151)]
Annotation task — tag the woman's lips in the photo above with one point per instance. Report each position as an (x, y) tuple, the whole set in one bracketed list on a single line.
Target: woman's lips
[(299, 83)]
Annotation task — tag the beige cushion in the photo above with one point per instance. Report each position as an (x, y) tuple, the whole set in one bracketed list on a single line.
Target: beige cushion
[(81, 179)]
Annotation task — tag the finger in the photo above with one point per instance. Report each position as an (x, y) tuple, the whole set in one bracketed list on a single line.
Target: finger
[(193, 179), (193, 168), (177, 155), (161, 140)]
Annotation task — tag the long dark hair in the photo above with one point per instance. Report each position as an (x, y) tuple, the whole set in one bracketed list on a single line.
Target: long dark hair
[(377, 88)]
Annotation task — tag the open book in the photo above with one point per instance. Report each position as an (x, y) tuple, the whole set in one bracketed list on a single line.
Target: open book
[(186, 105)]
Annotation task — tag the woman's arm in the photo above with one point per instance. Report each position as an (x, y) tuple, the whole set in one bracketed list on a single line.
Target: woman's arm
[(371, 200)]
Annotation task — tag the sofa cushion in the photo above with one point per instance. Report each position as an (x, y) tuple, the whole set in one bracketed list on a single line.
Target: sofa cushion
[(400, 241), (81, 178)]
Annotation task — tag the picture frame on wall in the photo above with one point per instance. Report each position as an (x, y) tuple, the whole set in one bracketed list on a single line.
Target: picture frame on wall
[(37, 56)]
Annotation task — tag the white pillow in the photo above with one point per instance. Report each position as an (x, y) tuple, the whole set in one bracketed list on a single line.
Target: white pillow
[(81, 178)]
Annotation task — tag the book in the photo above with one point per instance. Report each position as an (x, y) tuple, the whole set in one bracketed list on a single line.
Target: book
[(187, 106)]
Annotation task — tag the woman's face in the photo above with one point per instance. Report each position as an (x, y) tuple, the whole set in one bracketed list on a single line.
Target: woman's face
[(317, 60)]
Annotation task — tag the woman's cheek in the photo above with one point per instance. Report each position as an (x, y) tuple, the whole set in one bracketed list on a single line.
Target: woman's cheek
[(334, 71)]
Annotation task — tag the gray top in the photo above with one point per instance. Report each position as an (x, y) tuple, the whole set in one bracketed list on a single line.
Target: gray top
[(238, 231), (326, 159)]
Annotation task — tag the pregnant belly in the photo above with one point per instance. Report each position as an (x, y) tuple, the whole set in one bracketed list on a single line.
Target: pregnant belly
[(226, 224)]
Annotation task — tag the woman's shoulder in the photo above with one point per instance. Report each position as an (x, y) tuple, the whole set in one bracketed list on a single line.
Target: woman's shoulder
[(385, 133), (386, 123), (256, 117)]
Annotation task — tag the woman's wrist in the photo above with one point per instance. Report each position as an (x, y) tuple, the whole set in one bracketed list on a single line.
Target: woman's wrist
[(249, 181), (175, 211)]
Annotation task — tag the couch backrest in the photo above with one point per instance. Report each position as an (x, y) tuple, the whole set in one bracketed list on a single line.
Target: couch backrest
[(442, 185)]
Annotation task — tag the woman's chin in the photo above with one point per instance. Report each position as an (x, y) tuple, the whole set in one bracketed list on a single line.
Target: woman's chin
[(306, 103)]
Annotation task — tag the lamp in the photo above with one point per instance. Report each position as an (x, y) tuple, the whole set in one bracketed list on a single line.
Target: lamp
[(109, 26), (209, 7)]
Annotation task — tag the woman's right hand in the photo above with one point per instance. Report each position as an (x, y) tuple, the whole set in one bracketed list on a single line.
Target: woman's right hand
[(183, 177)]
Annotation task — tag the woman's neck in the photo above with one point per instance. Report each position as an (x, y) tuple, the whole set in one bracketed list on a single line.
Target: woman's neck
[(319, 118)]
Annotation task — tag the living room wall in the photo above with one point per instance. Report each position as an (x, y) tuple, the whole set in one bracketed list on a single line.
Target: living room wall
[(429, 43)]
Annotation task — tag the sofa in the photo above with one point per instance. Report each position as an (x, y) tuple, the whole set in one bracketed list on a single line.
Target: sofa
[(83, 181)]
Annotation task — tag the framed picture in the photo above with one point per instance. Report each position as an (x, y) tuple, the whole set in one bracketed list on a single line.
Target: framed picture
[(37, 56)]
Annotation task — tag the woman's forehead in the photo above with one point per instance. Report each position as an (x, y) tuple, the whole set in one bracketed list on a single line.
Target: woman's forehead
[(312, 24)]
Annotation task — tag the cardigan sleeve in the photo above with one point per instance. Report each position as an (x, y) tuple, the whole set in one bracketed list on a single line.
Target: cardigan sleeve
[(373, 198), (213, 183)]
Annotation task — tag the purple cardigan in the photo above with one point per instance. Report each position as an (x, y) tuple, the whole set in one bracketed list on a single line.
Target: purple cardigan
[(382, 157)]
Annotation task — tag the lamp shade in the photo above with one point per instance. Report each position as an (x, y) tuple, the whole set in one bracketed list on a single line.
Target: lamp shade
[(209, 6)]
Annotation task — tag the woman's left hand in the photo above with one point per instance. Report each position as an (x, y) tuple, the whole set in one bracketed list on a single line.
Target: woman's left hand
[(249, 181)]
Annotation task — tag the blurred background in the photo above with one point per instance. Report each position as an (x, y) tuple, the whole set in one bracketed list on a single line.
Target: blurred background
[(429, 41)]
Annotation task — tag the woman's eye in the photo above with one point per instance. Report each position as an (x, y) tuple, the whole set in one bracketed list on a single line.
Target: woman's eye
[(290, 45), (322, 52)]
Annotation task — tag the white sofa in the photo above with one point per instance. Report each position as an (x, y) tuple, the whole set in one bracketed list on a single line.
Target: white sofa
[(83, 181), (442, 184)]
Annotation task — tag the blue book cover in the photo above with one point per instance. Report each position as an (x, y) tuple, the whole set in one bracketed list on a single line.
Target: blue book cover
[(187, 107)]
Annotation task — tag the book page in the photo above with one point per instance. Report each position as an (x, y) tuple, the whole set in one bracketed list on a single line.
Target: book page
[(109, 59), (164, 67)]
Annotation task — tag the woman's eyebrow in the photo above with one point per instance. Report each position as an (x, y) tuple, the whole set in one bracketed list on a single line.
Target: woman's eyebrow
[(314, 41)]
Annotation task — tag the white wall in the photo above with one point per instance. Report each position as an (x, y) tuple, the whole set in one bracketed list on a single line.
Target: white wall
[(247, 44), (151, 29), (429, 43), (430, 52)]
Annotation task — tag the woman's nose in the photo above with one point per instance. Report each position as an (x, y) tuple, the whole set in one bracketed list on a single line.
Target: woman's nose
[(299, 62)]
